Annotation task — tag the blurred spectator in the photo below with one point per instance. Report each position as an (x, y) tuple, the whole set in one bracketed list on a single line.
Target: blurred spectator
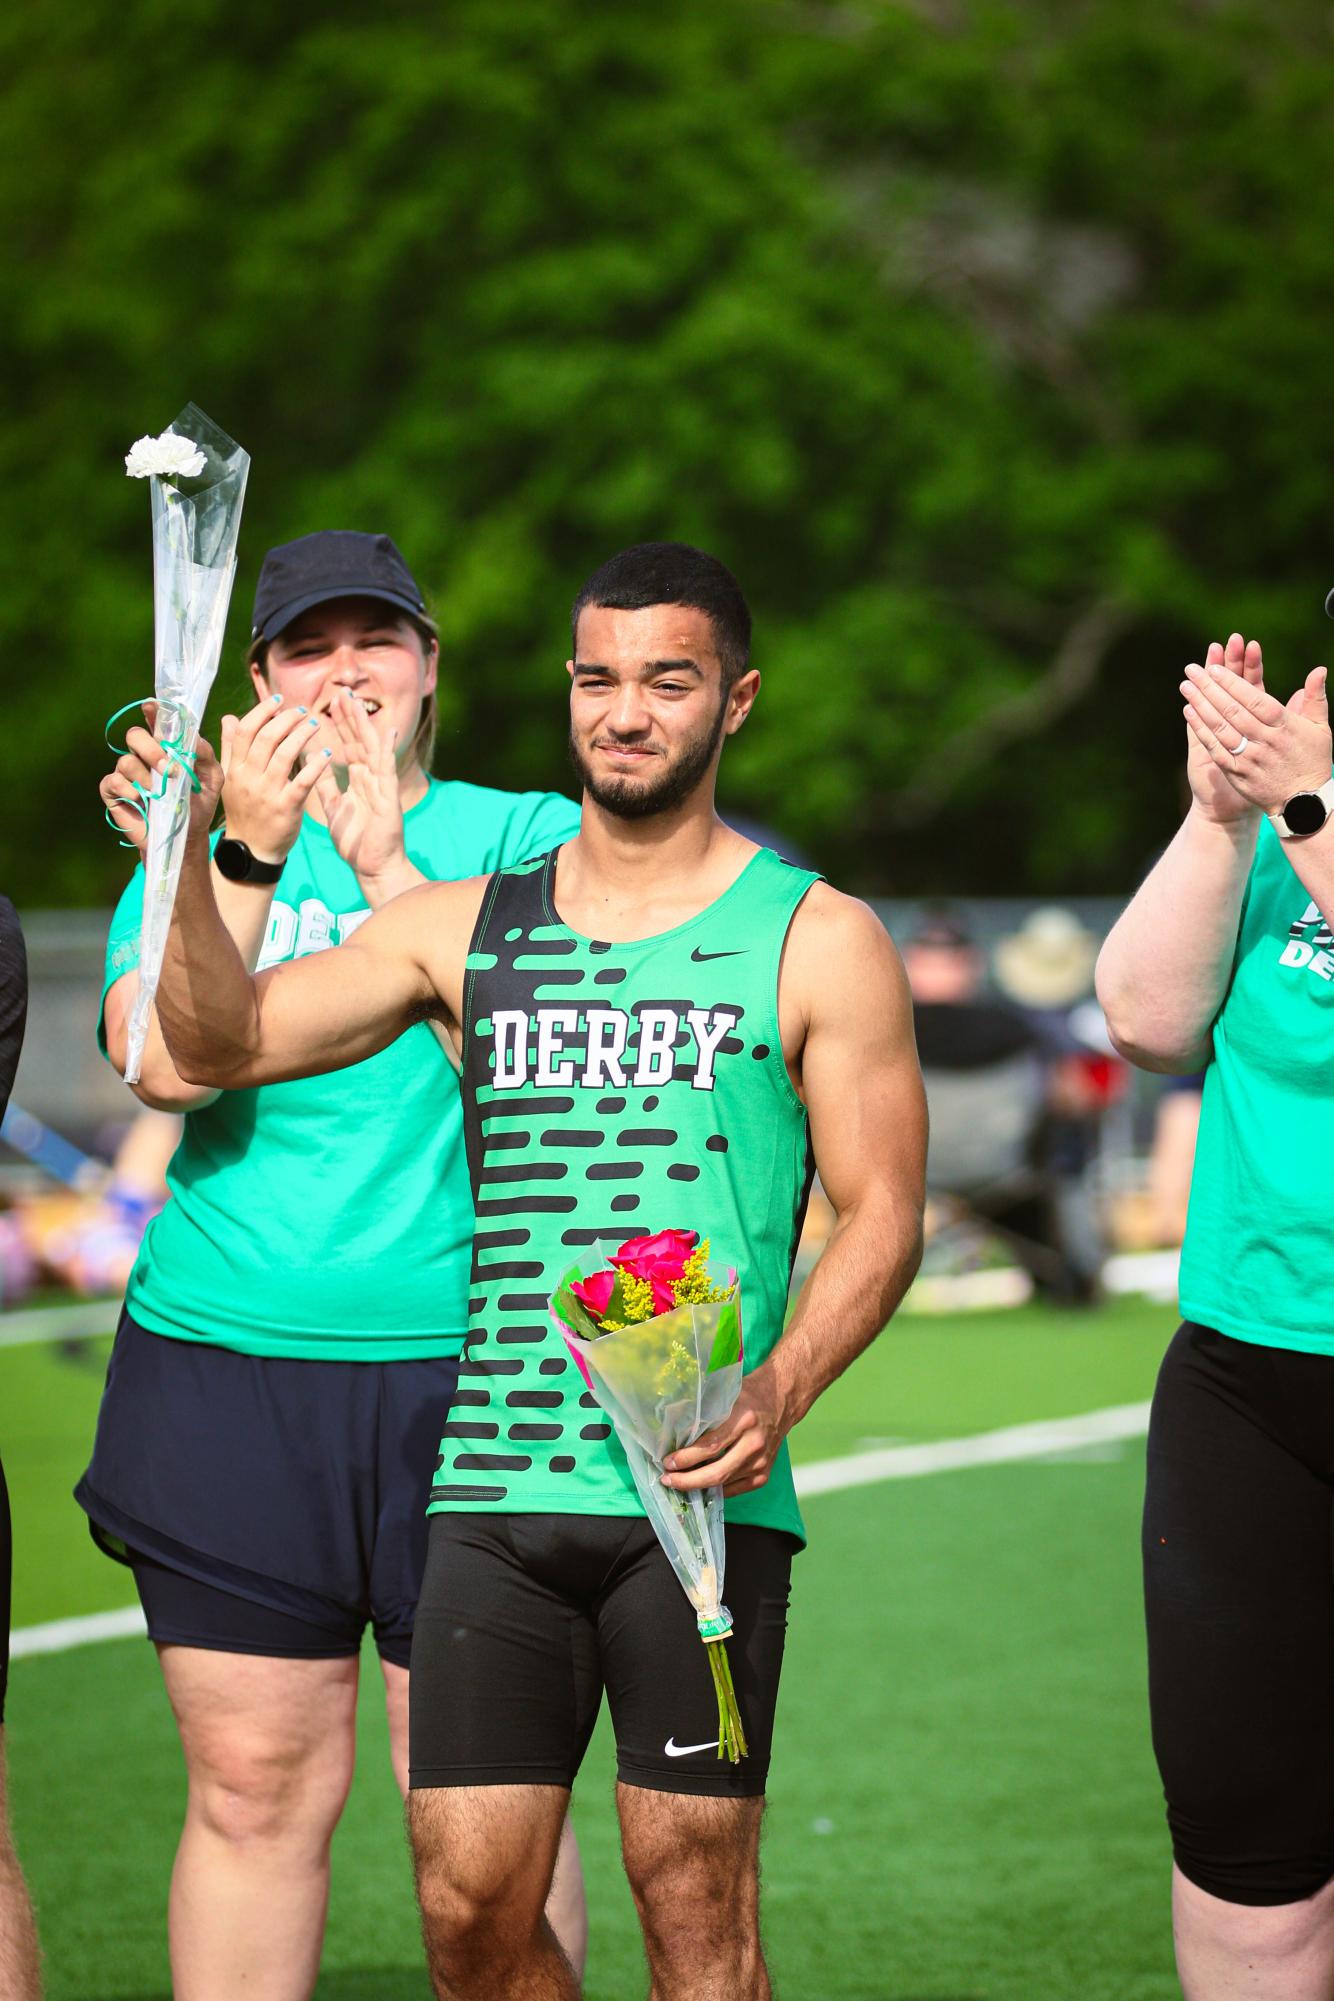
[(95, 1252), (1176, 1126), (999, 1109), (87, 1239), (1047, 964)]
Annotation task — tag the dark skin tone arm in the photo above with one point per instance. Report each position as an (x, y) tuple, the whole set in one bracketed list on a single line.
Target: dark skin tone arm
[(847, 1031)]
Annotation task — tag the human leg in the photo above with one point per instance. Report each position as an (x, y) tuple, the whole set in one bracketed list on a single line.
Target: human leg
[(567, 1903), (1244, 1952), (396, 1713), (1240, 1609), (20, 1958), (484, 1858), (504, 1693), (693, 1865), (690, 1820), (567, 1908), (269, 1747), (20, 1961)]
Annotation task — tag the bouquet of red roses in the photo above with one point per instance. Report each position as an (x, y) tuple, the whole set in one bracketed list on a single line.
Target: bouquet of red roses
[(659, 1345)]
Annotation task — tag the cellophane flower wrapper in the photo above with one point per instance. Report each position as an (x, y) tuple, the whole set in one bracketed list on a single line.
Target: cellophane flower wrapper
[(196, 522), (663, 1382)]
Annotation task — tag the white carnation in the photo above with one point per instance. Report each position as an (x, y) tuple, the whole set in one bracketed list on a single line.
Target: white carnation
[(168, 457)]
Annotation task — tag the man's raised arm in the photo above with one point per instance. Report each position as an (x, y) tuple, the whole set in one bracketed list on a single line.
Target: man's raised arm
[(230, 1030), (867, 1109)]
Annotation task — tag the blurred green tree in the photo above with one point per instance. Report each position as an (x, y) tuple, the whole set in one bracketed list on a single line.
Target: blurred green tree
[(986, 339)]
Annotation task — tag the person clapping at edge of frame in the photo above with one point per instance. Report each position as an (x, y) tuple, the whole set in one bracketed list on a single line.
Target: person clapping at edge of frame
[(1225, 958), (20, 1970), (289, 1346)]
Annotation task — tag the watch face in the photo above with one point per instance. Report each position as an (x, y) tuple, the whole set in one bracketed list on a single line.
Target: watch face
[(1305, 813), (232, 859)]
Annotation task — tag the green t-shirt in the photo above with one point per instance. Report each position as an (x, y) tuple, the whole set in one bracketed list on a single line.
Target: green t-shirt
[(610, 1091), (330, 1218), (1258, 1260)]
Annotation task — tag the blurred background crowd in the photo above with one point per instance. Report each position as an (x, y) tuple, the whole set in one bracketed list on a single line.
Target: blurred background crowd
[(1054, 1169)]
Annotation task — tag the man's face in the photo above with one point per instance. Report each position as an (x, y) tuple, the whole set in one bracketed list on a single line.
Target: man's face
[(648, 712)]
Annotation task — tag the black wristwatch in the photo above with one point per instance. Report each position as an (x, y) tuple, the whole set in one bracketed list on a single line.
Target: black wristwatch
[(235, 861)]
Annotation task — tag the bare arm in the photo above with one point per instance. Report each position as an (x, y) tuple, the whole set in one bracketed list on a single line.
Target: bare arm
[(1165, 966), (863, 1092), (244, 908), (227, 1029), (265, 800)]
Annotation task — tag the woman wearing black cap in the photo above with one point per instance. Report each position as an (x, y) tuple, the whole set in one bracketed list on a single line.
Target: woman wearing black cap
[(292, 1328)]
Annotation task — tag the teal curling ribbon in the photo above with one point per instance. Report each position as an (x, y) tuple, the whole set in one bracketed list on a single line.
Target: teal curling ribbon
[(174, 747)]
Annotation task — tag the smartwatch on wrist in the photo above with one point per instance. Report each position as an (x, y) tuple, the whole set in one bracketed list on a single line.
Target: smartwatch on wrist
[(235, 861), (1305, 813)]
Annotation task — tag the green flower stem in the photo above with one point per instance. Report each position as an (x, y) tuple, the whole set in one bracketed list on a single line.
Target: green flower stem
[(731, 1736)]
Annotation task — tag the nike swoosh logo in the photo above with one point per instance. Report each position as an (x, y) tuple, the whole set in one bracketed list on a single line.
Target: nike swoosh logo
[(671, 1747), (699, 957)]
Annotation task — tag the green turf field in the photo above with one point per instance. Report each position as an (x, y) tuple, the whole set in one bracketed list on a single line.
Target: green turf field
[(963, 1804)]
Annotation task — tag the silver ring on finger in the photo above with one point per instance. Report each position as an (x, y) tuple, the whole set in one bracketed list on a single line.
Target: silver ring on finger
[(1238, 748)]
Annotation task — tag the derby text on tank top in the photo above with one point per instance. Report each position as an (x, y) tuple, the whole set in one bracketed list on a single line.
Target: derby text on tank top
[(610, 1091)]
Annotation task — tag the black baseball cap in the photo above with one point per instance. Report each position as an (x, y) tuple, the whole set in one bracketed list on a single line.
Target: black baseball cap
[(332, 563), (941, 931)]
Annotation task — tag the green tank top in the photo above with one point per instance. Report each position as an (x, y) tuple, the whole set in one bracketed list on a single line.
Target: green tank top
[(610, 1091)]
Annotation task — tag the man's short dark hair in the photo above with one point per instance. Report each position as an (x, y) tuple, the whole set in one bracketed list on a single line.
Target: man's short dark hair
[(674, 573)]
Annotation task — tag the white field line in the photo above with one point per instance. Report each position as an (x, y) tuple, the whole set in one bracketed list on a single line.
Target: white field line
[(75, 1322), (986, 1448), (820, 1476), (62, 1634)]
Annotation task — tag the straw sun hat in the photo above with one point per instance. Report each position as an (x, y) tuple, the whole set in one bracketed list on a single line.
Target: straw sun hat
[(1048, 961)]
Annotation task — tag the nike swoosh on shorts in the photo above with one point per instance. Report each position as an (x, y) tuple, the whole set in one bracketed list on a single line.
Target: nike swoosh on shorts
[(675, 1750)]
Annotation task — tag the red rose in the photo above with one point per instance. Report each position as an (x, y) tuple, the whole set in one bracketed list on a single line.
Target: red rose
[(659, 1261), (596, 1292), (664, 1297)]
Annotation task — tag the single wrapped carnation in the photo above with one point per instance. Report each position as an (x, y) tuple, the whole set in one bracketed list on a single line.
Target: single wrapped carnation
[(168, 456)]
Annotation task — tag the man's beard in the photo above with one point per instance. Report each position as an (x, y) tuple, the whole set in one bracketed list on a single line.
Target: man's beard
[(629, 800)]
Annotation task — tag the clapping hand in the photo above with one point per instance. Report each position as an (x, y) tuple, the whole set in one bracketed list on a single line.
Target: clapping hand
[(1261, 749), (266, 783), (1211, 784), (365, 817)]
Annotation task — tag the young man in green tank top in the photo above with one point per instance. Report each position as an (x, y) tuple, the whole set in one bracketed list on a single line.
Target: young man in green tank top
[(659, 1026)]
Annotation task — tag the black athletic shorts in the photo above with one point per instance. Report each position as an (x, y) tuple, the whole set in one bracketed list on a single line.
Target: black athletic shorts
[(267, 1506), (1239, 1585), (525, 1619)]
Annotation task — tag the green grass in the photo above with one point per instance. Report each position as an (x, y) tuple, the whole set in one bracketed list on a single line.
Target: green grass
[(963, 1806)]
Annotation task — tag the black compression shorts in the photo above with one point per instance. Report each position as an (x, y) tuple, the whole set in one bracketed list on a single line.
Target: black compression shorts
[(523, 1620), (1239, 1584)]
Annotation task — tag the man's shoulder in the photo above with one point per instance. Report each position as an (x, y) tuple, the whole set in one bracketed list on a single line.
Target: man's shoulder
[(839, 954), (830, 918)]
